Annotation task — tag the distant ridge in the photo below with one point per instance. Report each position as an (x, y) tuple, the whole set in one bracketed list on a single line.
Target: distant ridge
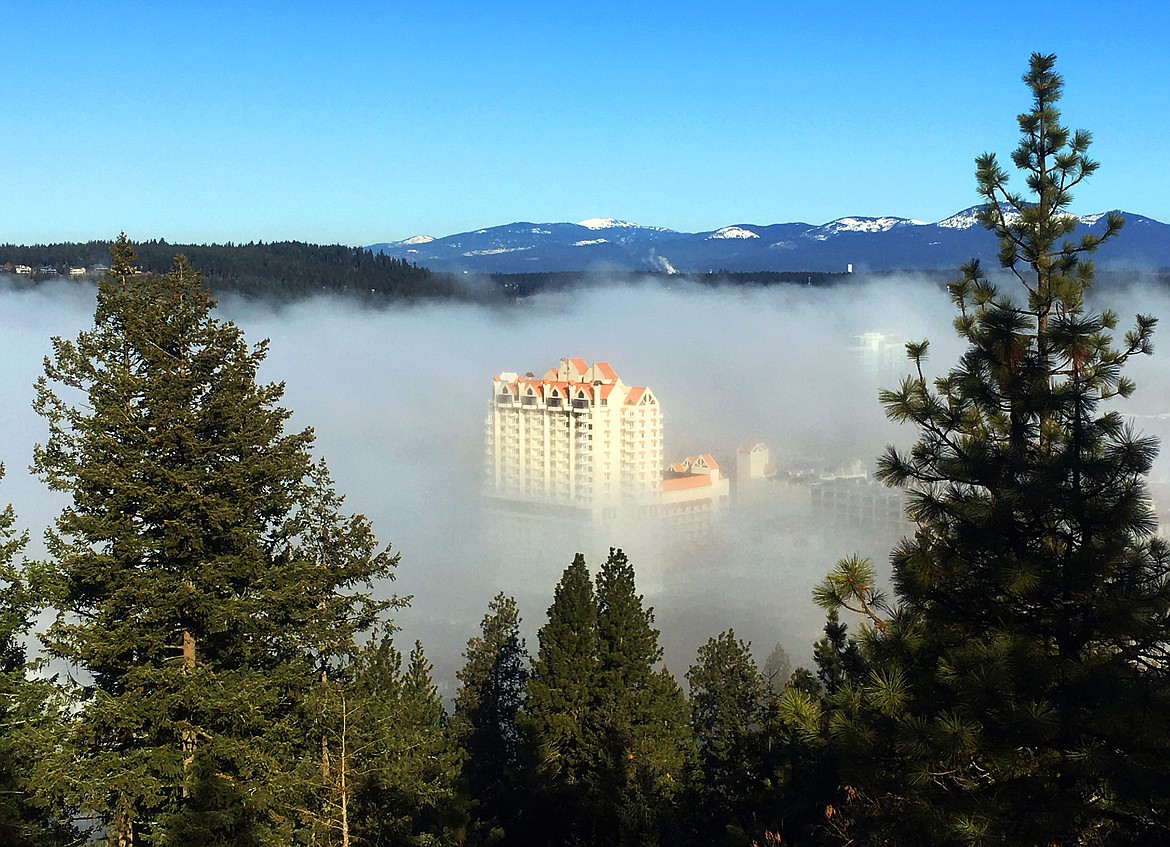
[(867, 243)]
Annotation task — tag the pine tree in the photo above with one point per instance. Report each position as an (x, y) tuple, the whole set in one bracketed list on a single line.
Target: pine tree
[(777, 668), (401, 768), (728, 709), (1018, 686), (560, 694), (318, 616), (639, 719), (194, 590), (837, 656), (485, 721), (29, 708)]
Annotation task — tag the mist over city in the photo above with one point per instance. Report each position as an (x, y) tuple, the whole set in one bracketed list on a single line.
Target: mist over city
[(397, 398)]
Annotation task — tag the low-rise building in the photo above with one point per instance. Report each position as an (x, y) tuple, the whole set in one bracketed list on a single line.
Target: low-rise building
[(694, 493)]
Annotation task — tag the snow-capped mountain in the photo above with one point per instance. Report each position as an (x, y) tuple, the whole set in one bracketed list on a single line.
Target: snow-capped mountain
[(613, 223), (866, 243)]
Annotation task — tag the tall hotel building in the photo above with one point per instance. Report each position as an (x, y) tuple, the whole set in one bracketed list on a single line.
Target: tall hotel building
[(575, 443)]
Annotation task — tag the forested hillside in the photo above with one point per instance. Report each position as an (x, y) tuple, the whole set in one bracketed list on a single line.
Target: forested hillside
[(274, 270)]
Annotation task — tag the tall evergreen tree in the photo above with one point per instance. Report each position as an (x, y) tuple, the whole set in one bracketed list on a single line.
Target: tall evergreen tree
[(728, 709), (29, 708), (837, 655), (485, 721), (400, 768), (330, 556), (193, 592), (1019, 687), (777, 668), (559, 708), (758, 773), (639, 722)]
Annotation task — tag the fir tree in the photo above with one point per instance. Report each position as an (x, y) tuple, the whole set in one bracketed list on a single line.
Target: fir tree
[(559, 707), (197, 570), (402, 769), (1018, 687), (485, 720), (639, 725), (837, 656), (728, 709), (318, 613), (777, 668), (29, 708)]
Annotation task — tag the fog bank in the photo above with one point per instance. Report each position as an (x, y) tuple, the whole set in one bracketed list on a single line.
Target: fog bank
[(398, 397)]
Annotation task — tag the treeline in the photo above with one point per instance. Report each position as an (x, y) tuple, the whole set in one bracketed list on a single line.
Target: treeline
[(279, 270), (290, 270)]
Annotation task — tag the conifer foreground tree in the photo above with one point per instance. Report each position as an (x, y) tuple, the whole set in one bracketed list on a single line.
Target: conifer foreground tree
[(639, 727), (485, 720), (393, 754), (605, 733), (1018, 686), (559, 707), (729, 699), (204, 575), (29, 717)]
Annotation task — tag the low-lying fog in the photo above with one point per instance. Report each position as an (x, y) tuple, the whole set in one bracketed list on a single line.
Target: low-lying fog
[(398, 399)]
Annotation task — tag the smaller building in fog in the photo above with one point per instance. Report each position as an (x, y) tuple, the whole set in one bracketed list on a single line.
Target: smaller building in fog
[(752, 462), (849, 498), (879, 355), (694, 494)]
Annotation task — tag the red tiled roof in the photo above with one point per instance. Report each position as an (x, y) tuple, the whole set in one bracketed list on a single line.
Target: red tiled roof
[(683, 483)]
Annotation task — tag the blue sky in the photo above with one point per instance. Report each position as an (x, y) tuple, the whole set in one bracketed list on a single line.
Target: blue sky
[(359, 122)]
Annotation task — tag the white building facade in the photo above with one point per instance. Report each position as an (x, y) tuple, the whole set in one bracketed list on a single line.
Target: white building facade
[(575, 442)]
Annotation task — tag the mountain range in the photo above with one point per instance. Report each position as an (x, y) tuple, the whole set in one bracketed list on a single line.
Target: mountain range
[(868, 244)]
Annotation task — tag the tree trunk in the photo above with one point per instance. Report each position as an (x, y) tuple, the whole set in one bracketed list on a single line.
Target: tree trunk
[(124, 823), (187, 736), (343, 765)]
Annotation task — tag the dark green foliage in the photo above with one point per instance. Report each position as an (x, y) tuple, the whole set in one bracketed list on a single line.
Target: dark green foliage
[(278, 270), (728, 709), (606, 734), (559, 707), (837, 656), (29, 708), (402, 769), (761, 764), (203, 574), (326, 555), (1018, 691), (639, 721), (485, 721)]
